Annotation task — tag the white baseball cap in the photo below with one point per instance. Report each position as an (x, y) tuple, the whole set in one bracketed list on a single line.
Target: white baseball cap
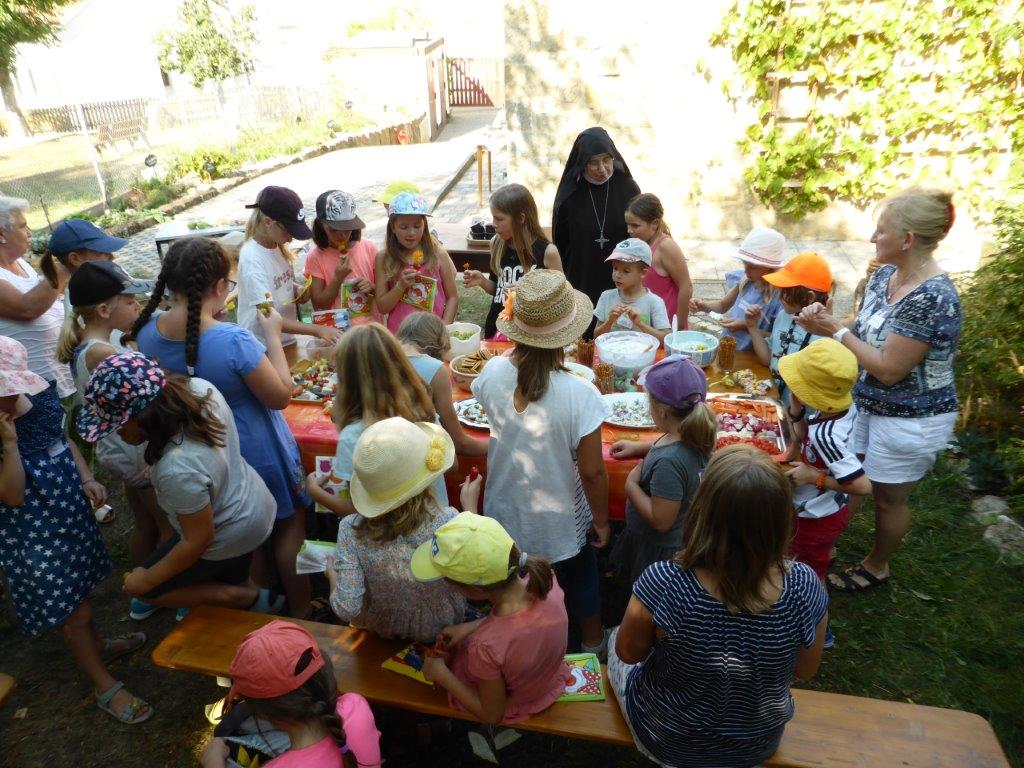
[(632, 250)]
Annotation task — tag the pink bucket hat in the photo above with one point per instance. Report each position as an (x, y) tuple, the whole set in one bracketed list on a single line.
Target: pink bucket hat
[(762, 247), (15, 377)]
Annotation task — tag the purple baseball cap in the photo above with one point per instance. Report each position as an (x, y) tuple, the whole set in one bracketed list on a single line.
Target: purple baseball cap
[(676, 381)]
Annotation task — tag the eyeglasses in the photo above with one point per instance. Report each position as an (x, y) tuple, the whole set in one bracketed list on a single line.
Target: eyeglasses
[(231, 284)]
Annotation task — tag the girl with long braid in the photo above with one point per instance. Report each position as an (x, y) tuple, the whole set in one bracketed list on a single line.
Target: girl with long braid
[(253, 378)]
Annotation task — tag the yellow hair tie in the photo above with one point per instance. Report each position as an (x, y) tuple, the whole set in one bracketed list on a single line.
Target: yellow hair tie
[(435, 455)]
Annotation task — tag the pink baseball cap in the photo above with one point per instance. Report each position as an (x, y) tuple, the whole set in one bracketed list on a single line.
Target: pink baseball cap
[(266, 662)]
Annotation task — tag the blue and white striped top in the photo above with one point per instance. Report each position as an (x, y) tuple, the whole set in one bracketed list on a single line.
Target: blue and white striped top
[(718, 680)]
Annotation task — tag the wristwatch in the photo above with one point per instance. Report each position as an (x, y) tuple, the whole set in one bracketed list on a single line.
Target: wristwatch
[(838, 335)]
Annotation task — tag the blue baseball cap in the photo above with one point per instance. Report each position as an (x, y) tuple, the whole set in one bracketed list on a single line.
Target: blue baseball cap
[(78, 234)]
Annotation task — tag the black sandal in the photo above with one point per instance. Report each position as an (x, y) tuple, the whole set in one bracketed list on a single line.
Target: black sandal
[(322, 612), (848, 579)]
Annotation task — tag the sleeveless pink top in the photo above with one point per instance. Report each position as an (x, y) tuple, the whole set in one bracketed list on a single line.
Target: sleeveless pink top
[(663, 285), (403, 310)]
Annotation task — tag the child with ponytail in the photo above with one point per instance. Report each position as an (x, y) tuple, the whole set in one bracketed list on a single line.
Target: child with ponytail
[(424, 337), (104, 306), (75, 242), (668, 277), (282, 678), (659, 488), (510, 664), (254, 379)]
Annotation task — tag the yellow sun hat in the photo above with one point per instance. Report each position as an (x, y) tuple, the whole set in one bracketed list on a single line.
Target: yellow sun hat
[(396, 459)]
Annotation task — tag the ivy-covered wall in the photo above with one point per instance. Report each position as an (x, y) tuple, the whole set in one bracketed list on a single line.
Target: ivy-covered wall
[(724, 140)]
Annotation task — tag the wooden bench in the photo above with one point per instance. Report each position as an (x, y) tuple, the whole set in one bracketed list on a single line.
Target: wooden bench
[(828, 729), (7, 686)]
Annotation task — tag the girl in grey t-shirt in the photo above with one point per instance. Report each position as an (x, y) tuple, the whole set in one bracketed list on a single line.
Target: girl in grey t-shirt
[(219, 508)]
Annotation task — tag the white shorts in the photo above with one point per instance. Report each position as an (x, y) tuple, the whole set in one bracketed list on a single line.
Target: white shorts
[(900, 450)]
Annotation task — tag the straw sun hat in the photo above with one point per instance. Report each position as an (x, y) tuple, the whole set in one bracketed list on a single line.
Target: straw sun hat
[(396, 459), (544, 311)]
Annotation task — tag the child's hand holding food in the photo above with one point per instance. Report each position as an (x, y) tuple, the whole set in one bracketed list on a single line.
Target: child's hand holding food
[(469, 491), (473, 278)]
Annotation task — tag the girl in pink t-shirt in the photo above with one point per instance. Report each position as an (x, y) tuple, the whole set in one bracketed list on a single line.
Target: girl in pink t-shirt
[(414, 273), (281, 675), (341, 261), (510, 664)]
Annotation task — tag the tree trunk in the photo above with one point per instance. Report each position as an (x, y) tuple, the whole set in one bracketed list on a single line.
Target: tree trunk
[(18, 126)]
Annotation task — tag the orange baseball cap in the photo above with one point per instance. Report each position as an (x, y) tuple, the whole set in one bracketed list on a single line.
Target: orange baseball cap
[(808, 269)]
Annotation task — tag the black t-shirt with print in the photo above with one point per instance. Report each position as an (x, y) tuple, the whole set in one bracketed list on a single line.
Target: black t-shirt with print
[(511, 273)]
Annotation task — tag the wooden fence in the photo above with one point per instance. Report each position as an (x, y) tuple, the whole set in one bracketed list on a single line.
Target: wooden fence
[(98, 115), (476, 82)]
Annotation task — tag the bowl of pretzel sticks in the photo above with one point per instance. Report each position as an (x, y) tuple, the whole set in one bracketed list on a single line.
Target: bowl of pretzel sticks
[(465, 368)]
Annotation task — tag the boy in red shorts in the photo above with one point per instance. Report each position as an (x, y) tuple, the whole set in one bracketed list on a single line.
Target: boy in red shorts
[(820, 379)]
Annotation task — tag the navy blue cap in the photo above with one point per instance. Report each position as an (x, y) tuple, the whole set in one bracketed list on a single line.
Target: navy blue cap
[(77, 234), (97, 281)]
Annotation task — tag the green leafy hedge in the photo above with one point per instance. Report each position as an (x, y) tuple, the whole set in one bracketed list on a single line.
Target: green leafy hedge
[(903, 91), (990, 359)]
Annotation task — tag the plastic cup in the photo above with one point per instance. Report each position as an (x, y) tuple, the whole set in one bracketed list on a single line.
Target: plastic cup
[(726, 352)]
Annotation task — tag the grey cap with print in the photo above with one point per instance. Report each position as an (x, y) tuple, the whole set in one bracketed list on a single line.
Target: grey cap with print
[(632, 250), (337, 210)]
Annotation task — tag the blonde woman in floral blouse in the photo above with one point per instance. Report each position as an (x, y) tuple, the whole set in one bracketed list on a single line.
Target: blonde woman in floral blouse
[(905, 337)]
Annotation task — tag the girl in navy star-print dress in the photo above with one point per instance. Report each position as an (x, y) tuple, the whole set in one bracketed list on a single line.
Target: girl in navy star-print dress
[(50, 545)]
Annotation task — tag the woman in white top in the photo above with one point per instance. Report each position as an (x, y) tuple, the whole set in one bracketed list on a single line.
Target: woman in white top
[(31, 310), (265, 270), (546, 480)]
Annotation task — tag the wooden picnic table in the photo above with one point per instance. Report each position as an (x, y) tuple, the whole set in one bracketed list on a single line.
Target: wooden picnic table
[(317, 436)]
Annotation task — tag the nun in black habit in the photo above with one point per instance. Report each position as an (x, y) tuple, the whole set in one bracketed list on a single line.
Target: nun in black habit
[(587, 221)]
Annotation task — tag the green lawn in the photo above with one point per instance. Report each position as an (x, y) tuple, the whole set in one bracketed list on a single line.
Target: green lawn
[(948, 631)]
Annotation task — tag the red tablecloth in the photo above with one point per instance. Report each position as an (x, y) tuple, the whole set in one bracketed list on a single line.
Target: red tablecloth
[(317, 436)]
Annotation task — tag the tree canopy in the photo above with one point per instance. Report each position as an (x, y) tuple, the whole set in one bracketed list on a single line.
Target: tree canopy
[(27, 21), (210, 44)]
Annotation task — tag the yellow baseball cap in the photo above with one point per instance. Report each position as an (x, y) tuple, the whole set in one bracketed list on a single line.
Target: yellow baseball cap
[(471, 549), (822, 375)]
